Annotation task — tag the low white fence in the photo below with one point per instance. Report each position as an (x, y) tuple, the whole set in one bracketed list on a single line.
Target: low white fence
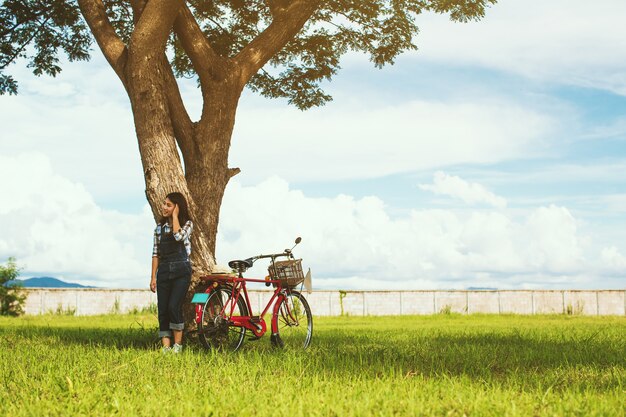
[(91, 301)]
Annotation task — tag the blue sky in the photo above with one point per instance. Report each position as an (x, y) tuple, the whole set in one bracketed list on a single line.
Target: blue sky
[(493, 156)]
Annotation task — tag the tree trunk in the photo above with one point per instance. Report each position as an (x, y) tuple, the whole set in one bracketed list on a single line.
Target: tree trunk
[(207, 173), (206, 162), (206, 168)]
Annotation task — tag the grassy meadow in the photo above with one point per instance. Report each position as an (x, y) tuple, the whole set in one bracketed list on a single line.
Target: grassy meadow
[(442, 365)]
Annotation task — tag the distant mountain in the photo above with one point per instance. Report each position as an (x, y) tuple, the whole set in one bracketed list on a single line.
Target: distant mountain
[(481, 289), (46, 282)]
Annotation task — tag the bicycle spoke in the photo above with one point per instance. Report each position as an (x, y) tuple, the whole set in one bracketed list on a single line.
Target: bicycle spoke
[(294, 322), (217, 329)]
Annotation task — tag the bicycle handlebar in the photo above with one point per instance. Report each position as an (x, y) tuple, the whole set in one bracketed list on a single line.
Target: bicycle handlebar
[(286, 252), (273, 255)]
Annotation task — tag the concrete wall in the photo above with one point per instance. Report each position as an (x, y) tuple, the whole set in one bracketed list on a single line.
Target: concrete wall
[(88, 301), (356, 303)]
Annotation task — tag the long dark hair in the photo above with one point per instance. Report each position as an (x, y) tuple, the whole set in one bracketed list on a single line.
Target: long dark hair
[(183, 213)]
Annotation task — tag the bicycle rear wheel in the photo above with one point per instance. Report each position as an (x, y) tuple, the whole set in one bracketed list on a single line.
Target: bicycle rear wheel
[(215, 330), (295, 322)]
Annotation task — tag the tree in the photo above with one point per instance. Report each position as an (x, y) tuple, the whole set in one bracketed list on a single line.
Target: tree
[(11, 295), (278, 48)]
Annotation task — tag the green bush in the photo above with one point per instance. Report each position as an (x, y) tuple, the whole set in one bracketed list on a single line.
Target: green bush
[(12, 295)]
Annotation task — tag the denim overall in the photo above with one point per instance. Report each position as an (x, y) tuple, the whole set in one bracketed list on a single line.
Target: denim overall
[(173, 278)]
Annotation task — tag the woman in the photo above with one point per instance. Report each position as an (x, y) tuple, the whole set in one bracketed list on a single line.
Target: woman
[(171, 269)]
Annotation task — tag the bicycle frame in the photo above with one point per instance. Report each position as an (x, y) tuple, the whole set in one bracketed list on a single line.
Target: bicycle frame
[(256, 324)]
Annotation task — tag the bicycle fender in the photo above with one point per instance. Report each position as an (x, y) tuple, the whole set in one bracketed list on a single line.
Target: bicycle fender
[(198, 313), (279, 300), (200, 306)]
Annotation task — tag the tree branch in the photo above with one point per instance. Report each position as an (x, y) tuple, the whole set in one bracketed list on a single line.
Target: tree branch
[(181, 122), (233, 171), (137, 6), (111, 45), (24, 45), (277, 6), (153, 24), (153, 28), (287, 22), (206, 62)]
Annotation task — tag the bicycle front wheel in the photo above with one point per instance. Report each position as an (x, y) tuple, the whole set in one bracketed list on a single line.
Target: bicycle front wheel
[(216, 329), (295, 322)]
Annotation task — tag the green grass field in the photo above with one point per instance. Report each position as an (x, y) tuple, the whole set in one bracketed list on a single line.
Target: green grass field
[(443, 365)]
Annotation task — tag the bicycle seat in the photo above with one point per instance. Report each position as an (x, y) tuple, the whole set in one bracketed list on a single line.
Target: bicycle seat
[(240, 265)]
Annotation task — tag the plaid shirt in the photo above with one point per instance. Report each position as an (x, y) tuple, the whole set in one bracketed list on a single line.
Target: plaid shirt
[(183, 234)]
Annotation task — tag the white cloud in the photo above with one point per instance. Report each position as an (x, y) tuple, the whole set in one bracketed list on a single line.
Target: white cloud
[(612, 267), (470, 192), (355, 243), (614, 129), (566, 41), (553, 242), (53, 226), (358, 141), (82, 121), (613, 259)]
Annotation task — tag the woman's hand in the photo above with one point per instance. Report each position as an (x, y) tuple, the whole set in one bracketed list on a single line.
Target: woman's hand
[(153, 285), (176, 210)]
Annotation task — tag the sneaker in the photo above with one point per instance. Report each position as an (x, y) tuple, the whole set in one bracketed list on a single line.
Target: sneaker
[(165, 350), (177, 348)]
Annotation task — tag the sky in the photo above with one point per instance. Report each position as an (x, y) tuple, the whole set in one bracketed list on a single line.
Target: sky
[(492, 157)]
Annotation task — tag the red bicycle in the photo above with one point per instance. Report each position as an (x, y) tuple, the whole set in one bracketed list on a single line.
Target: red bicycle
[(223, 311)]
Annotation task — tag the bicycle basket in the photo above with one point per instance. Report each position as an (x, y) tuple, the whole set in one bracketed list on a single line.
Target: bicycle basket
[(289, 273)]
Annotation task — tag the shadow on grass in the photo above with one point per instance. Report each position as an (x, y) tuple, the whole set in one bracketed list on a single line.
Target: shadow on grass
[(516, 357), (137, 336)]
